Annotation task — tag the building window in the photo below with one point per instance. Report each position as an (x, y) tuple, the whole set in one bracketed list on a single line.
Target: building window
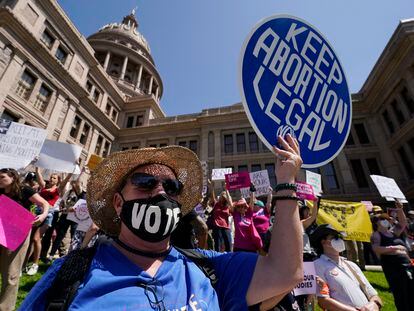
[(130, 122), (140, 120), (89, 86), (210, 144), (47, 39), (359, 173), (126, 148), (256, 167), (264, 148), (25, 85), (330, 176), (411, 144), (105, 152), (108, 109), (84, 135), (409, 102), (228, 143), (388, 121), (397, 111), (114, 115), (242, 168), (373, 166), (75, 127), (98, 145), (42, 98), (406, 162), (253, 142), (350, 141), (272, 175), (61, 55), (182, 143), (193, 146), (95, 95), (241, 142), (361, 133), (163, 145)]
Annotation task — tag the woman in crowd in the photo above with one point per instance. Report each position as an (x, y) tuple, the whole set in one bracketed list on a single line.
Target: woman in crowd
[(221, 227), (50, 191), (11, 262), (261, 213), (388, 245)]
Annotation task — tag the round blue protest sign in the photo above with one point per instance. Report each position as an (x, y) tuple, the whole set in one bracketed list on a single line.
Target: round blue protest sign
[(291, 81)]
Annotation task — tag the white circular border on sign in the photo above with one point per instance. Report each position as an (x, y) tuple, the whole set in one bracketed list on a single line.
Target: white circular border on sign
[(246, 108)]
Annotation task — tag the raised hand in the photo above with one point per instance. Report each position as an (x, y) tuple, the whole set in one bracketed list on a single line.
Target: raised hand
[(288, 160)]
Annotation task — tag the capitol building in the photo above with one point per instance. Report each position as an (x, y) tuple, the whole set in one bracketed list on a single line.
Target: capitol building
[(104, 93)]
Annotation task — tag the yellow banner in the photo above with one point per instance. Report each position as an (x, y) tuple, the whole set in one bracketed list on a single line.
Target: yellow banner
[(94, 160), (350, 217)]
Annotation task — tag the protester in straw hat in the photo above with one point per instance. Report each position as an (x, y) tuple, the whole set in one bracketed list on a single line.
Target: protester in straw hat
[(138, 196)]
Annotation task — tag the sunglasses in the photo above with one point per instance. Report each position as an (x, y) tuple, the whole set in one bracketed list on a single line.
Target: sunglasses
[(172, 187)]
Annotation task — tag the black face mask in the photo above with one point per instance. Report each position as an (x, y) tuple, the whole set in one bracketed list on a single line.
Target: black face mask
[(153, 219)]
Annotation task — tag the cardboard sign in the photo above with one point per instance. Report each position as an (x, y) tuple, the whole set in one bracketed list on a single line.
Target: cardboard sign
[(219, 173), (315, 180), (305, 191), (308, 285), (59, 156), (260, 180), (81, 216), (291, 81), (15, 223), (237, 180), (368, 205), (388, 188), (19, 144), (94, 160)]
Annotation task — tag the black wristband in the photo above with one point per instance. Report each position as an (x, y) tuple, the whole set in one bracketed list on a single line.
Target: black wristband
[(286, 197), (280, 187)]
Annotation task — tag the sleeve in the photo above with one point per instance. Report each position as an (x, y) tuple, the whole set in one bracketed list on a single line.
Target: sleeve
[(27, 192), (322, 286), (370, 290), (234, 272), (36, 300)]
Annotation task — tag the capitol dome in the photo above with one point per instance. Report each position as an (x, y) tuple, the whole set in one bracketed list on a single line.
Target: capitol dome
[(125, 55)]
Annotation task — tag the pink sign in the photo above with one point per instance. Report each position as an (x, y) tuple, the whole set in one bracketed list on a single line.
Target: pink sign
[(237, 180), (305, 191), (15, 223)]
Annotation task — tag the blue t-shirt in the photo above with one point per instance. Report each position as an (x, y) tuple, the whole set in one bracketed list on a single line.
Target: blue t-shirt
[(115, 283)]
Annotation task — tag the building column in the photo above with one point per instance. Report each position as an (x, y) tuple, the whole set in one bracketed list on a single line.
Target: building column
[(92, 146), (204, 145), (107, 58), (349, 185), (156, 92), (35, 91), (9, 77), (124, 66), (80, 130), (150, 85), (67, 124), (54, 114), (137, 86), (217, 149)]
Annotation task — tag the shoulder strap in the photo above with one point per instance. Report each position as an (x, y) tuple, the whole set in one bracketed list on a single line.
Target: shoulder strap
[(361, 284), (202, 262), (68, 279)]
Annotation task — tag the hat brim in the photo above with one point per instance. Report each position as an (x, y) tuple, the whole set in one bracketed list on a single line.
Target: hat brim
[(320, 233), (111, 172)]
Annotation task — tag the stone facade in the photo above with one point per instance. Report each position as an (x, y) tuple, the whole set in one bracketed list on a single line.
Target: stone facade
[(104, 93)]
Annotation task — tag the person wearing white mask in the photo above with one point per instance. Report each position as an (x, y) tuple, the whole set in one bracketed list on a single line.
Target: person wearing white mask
[(341, 284), (388, 244)]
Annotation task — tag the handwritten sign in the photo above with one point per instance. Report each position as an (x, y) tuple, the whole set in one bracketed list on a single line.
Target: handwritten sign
[(59, 156), (81, 216), (19, 144), (237, 180), (388, 188), (260, 180), (305, 191), (308, 285), (315, 180), (219, 173), (15, 223)]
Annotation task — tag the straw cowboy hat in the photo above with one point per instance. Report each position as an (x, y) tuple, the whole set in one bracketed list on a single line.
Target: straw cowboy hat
[(112, 172)]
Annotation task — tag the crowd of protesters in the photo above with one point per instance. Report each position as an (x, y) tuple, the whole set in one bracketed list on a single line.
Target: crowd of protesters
[(226, 223)]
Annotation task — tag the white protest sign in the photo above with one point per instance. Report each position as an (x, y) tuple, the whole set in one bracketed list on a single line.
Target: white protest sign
[(261, 182), (81, 216), (19, 144), (388, 188), (59, 156), (308, 285), (315, 180), (218, 173)]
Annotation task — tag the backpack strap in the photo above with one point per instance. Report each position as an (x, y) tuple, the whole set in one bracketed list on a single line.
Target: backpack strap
[(202, 262), (68, 279)]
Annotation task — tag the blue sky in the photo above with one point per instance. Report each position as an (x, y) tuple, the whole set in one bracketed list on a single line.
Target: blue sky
[(196, 44)]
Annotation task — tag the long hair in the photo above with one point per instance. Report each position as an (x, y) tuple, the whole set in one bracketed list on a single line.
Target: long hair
[(15, 186), (58, 177)]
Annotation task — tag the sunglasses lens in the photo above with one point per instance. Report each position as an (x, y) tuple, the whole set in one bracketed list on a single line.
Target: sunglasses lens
[(172, 186), (144, 181)]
